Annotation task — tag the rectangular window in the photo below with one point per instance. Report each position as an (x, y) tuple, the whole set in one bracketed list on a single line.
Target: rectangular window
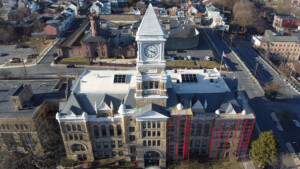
[(144, 134), (98, 144), (132, 137), (70, 136), (189, 78), (106, 154), (73, 127), (158, 124), (17, 126), (114, 153), (121, 153), (149, 142), (149, 125), (151, 85), (113, 144), (153, 142), (153, 133), (144, 125), (132, 149), (105, 144), (120, 143), (76, 136), (158, 142), (153, 125), (156, 85), (158, 133), (149, 133), (131, 129), (144, 143)]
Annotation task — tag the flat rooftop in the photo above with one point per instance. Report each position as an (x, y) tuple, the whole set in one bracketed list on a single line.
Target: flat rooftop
[(42, 90), (102, 81)]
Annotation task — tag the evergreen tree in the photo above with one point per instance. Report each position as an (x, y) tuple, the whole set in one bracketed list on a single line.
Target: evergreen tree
[(265, 149)]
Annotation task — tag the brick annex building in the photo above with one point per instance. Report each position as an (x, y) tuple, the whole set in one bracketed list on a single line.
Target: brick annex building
[(153, 116)]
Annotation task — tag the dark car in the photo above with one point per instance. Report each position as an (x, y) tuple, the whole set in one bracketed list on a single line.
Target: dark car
[(70, 66)]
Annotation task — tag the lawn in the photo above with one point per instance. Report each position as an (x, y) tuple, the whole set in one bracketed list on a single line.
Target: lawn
[(211, 164), (110, 163), (75, 59), (192, 64)]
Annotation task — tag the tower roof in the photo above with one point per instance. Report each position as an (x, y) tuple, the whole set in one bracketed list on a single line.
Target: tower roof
[(150, 25)]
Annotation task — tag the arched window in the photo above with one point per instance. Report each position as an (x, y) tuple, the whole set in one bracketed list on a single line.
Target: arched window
[(79, 127), (119, 130), (96, 131), (73, 127), (68, 127), (199, 128), (206, 129), (103, 129), (77, 147), (111, 130)]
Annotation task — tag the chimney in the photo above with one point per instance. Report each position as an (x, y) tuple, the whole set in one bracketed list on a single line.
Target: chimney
[(95, 26)]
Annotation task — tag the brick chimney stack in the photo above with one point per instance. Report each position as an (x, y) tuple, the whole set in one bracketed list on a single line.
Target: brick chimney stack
[(94, 20)]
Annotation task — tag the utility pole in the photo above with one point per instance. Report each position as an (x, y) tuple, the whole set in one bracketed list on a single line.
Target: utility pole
[(255, 72)]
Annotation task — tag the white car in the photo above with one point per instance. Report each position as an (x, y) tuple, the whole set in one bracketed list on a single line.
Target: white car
[(207, 58), (297, 123)]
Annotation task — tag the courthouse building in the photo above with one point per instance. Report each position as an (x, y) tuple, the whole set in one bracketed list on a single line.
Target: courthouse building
[(153, 116)]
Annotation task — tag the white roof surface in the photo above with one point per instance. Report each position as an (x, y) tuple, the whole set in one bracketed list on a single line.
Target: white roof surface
[(150, 25), (102, 81)]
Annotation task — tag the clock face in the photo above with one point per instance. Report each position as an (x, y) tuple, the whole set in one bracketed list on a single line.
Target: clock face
[(151, 51)]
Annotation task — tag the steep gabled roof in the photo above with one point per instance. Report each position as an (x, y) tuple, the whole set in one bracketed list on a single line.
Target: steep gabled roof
[(140, 112), (150, 25)]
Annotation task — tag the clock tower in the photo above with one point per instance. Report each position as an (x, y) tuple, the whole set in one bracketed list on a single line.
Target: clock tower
[(151, 77)]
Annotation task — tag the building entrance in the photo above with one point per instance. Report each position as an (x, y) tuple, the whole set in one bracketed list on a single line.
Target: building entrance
[(151, 158)]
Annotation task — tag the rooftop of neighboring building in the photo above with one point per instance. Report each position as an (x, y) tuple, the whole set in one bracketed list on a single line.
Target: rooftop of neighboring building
[(269, 36), (42, 90)]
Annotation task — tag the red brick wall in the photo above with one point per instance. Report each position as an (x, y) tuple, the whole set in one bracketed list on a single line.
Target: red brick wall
[(50, 30)]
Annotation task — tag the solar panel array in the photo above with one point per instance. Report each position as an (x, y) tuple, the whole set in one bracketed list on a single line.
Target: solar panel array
[(119, 78), (189, 78)]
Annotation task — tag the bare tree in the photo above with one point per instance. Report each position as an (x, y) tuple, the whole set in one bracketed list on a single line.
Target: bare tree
[(4, 73), (225, 3), (42, 150), (245, 14), (272, 89)]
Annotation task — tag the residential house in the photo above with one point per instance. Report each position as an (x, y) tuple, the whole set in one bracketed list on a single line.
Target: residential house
[(101, 7), (217, 19), (282, 22), (135, 11)]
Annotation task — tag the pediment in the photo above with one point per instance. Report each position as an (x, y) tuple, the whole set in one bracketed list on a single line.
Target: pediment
[(151, 116)]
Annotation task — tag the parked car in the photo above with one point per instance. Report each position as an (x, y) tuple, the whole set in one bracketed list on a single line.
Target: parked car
[(15, 60), (207, 58), (70, 66), (297, 123)]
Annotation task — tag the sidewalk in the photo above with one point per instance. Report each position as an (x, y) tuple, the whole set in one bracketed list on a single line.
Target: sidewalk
[(247, 164)]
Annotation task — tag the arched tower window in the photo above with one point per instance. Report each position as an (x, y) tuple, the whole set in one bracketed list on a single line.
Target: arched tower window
[(103, 129)]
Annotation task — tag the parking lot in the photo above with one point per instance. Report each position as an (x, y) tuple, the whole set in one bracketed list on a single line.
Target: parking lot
[(199, 53), (10, 52)]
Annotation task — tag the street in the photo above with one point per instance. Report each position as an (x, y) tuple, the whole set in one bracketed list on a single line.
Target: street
[(256, 98)]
